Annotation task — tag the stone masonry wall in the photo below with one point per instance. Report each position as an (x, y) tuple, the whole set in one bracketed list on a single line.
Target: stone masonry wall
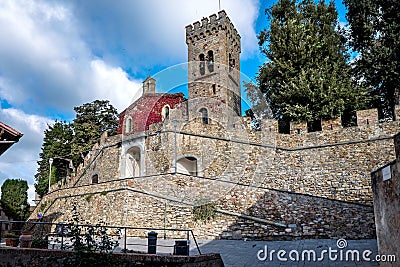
[(309, 185), (386, 192), (123, 202)]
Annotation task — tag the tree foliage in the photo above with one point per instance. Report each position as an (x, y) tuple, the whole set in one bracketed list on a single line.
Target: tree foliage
[(306, 76), (64, 141), (14, 193), (375, 35), (92, 119)]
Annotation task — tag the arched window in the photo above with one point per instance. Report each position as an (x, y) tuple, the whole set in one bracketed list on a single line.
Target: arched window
[(95, 179), (204, 115), (187, 165), (202, 64), (128, 125), (165, 112), (210, 61)]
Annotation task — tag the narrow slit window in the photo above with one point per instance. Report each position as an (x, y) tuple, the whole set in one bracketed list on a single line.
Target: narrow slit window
[(210, 61), (202, 64), (204, 115)]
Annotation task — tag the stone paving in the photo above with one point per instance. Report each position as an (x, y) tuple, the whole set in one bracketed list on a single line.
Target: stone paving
[(244, 253), (239, 253)]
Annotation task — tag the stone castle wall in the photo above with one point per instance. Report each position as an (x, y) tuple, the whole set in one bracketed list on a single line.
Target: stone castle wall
[(280, 215), (308, 185), (386, 192)]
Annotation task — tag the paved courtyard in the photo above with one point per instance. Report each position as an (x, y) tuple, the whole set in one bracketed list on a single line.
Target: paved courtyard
[(244, 253), (252, 253), (312, 252)]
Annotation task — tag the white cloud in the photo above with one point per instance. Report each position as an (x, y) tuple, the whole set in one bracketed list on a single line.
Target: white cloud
[(55, 55), (153, 32), (19, 162), (46, 64)]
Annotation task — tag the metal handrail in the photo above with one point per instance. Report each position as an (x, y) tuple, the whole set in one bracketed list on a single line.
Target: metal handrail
[(121, 228)]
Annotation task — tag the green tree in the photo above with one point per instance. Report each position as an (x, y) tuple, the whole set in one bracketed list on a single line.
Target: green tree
[(57, 144), (375, 35), (306, 76), (92, 119), (14, 194)]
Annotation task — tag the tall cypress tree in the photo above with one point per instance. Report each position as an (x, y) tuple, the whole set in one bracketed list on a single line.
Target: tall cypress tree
[(57, 142), (306, 76), (375, 35)]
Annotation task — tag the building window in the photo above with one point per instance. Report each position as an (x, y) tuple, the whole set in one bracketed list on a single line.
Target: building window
[(95, 179), (210, 61), (165, 112), (231, 62), (202, 64), (204, 115), (214, 89), (128, 125)]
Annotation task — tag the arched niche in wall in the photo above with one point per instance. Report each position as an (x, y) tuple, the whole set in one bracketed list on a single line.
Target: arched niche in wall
[(95, 179), (187, 165), (165, 112), (132, 162)]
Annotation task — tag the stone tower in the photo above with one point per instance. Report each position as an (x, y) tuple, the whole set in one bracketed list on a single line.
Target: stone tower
[(149, 86), (214, 63)]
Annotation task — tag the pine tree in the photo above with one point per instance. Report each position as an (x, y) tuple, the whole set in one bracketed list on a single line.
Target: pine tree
[(306, 76)]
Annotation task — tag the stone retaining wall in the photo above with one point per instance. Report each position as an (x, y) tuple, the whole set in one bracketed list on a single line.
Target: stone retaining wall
[(121, 203), (386, 192), (42, 257), (316, 184)]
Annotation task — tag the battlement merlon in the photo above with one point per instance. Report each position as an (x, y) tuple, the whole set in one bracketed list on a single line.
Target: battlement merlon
[(212, 23)]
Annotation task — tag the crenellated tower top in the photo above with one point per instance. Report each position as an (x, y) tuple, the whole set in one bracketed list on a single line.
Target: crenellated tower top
[(210, 25), (214, 57)]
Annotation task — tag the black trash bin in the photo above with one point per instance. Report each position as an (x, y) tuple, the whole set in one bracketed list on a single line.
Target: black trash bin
[(152, 243), (181, 248)]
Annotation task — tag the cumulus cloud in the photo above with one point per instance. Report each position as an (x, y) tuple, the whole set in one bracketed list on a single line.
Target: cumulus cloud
[(19, 162), (45, 63), (153, 32), (56, 54)]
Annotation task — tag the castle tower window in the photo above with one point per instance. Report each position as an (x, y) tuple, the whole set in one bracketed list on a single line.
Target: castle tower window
[(95, 179), (210, 61), (165, 112), (204, 115), (128, 125), (231, 62), (202, 64), (214, 89)]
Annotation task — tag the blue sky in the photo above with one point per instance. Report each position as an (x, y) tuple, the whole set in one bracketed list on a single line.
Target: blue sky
[(56, 54)]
